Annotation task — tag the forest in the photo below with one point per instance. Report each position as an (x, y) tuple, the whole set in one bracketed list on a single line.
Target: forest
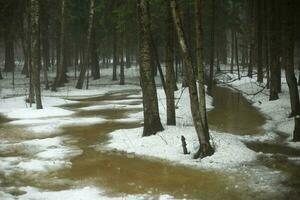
[(149, 99)]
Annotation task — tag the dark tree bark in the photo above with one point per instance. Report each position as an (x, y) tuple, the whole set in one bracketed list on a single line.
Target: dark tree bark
[(9, 64), (237, 55), (232, 50), (44, 24), (35, 48), (212, 49), (94, 56), (115, 56), (274, 52), (251, 37), (259, 34), (152, 123), (122, 73), (289, 43), (170, 75), (60, 69), (86, 54), (205, 147), (200, 66)]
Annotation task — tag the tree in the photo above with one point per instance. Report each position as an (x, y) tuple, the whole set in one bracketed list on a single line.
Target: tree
[(205, 148), (200, 66), (44, 27), (212, 49), (289, 43), (152, 123), (35, 51), (86, 56), (170, 75), (60, 70), (274, 54)]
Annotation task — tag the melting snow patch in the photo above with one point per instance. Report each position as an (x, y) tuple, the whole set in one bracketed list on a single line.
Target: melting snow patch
[(230, 151)]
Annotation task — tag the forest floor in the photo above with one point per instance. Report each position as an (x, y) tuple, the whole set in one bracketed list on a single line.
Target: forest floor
[(36, 146)]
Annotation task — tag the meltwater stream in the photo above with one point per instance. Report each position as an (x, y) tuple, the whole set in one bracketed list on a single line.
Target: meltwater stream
[(122, 174)]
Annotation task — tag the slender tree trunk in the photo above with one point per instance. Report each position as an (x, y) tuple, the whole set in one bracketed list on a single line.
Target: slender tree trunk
[(94, 55), (152, 123), (260, 74), (237, 55), (201, 80), (9, 64), (86, 55), (115, 56), (205, 147), (122, 73), (274, 53), (35, 52), (289, 43), (232, 51), (60, 71), (44, 20), (212, 49), (251, 37), (170, 75)]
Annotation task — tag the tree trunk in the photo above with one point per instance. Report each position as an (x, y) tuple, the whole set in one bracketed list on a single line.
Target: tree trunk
[(35, 48), (152, 123), (201, 80), (260, 74), (60, 71), (212, 49), (122, 73), (274, 53), (94, 55), (86, 56), (9, 64), (205, 147), (232, 51), (237, 55), (170, 75), (115, 56), (44, 20), (289, 43)]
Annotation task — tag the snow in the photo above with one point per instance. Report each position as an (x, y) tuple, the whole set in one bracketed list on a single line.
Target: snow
[(54, 125), (168, 146), (89, 192)]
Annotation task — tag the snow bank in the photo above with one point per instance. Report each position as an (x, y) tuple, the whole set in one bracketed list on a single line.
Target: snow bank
[(230, 151)]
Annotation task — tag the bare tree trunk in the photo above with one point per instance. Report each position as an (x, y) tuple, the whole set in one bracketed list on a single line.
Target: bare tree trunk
[(260, 75), (152, 123), (212, 50), (274, 52), (94, 55), (60, 72), (86, 55), (289, 43), (35, 49), (9, 63), (115, 56), (201, 80), (44, 20), (170, 75), (232, 51), (122, 73), (237, 55), (205, 147)]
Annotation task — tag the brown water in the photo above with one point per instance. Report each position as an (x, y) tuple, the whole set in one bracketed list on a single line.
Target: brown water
[(120, 173), (232, 113)]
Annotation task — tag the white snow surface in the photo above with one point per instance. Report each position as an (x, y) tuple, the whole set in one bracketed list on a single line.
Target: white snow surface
[(167, 145)]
